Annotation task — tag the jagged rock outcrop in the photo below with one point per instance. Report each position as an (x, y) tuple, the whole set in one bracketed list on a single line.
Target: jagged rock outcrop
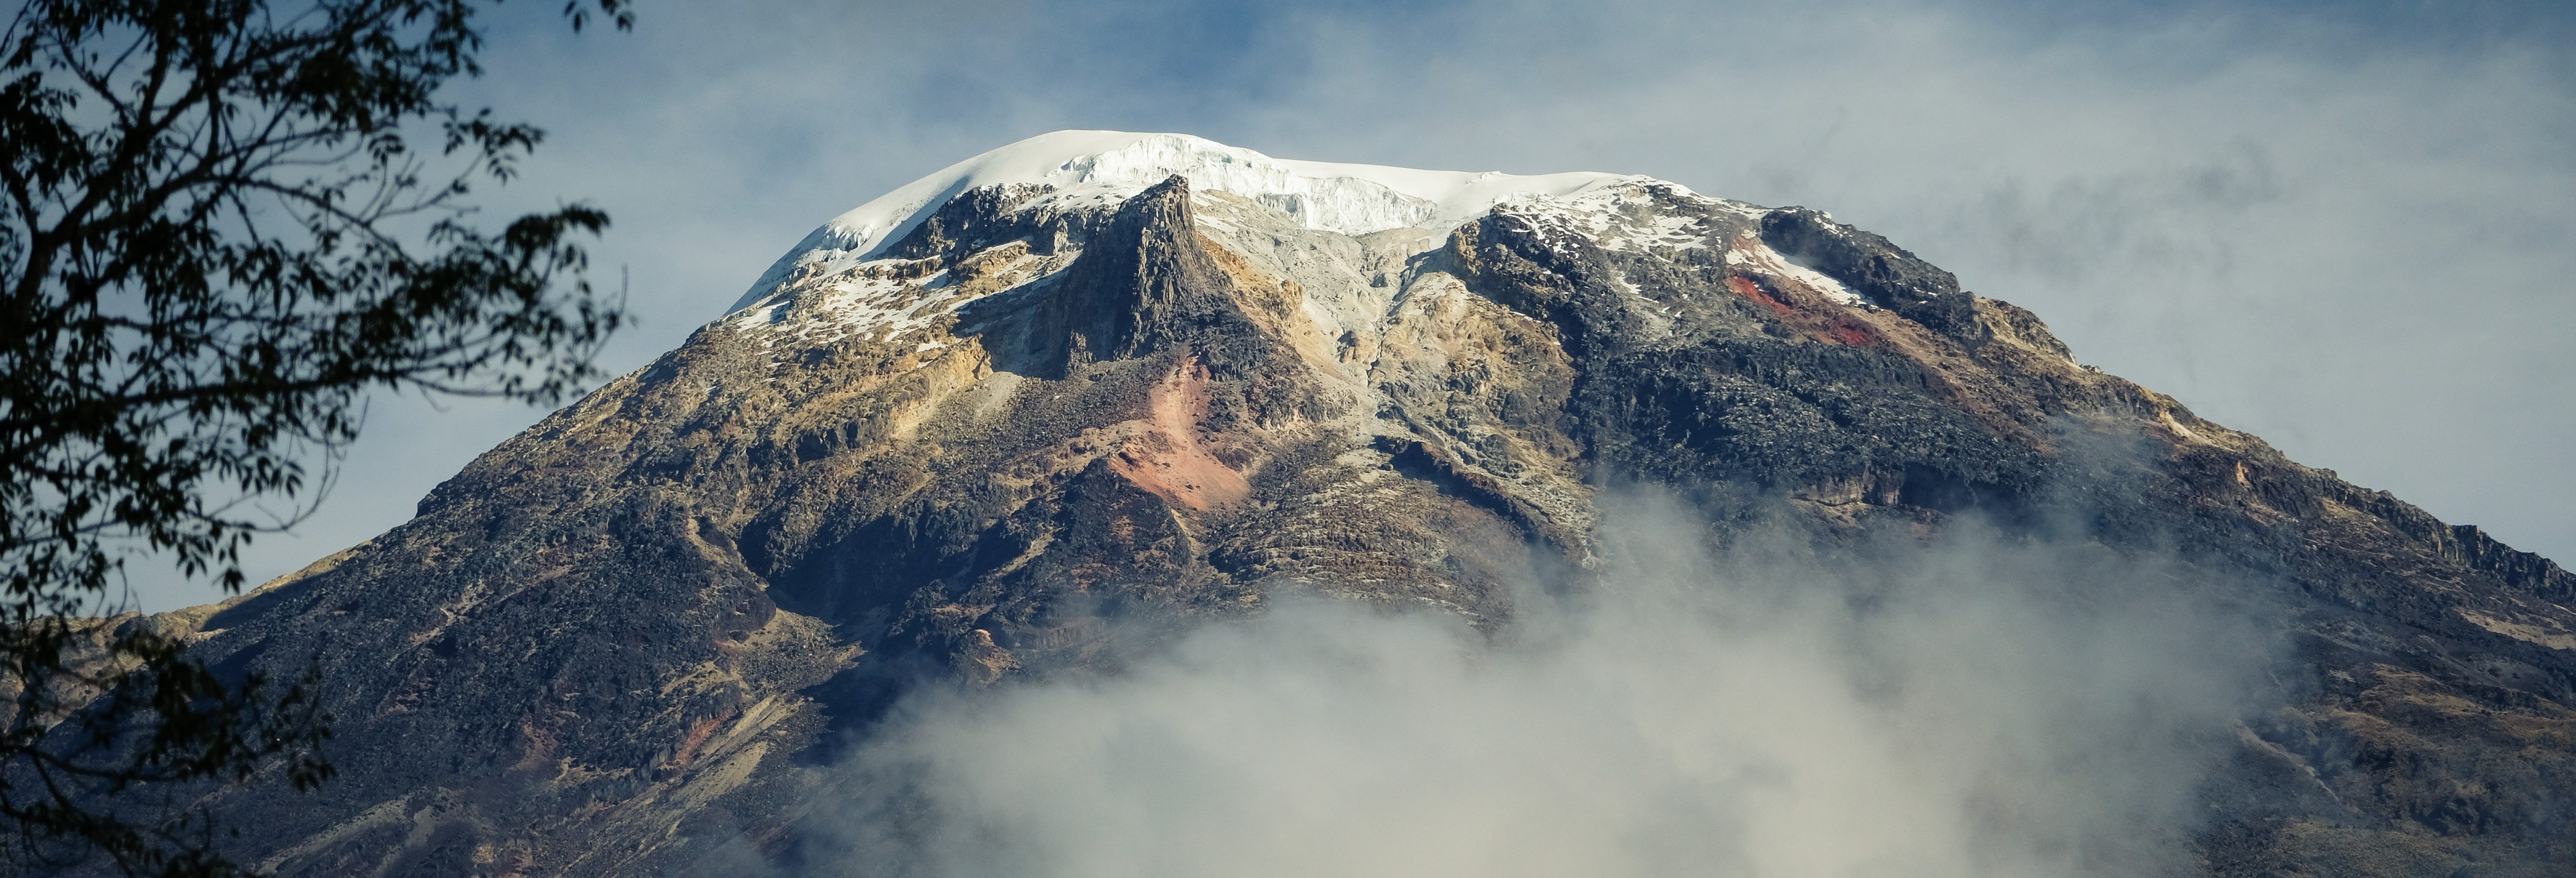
[(946, 451)]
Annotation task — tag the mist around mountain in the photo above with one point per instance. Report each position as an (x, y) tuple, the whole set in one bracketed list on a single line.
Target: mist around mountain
[(1982, 705), (1121, 503)]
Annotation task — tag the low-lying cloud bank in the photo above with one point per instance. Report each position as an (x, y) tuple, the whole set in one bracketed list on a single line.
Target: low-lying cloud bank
[(1978, 706)]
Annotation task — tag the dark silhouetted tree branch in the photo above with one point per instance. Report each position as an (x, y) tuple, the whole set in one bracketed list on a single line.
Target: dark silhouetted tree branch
[(224, 223)]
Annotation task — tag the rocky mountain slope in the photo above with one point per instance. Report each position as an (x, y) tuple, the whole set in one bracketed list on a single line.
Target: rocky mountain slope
[(1151, 378)]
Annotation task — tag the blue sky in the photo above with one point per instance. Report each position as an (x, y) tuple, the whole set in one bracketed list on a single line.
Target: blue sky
[(2347, 227)]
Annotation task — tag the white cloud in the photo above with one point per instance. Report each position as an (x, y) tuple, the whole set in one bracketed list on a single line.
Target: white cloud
[(1974, 709)]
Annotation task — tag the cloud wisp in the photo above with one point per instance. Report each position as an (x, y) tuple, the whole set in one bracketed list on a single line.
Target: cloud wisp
[(1979, 707)]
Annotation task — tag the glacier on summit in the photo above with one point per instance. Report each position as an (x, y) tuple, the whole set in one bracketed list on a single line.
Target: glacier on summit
[(852, 277), (1106, 166)]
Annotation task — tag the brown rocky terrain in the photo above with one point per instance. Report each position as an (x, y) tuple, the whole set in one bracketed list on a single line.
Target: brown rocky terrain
[(629, 633)]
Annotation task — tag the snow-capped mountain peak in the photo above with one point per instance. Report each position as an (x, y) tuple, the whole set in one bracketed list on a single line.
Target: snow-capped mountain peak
[(1349, 199)]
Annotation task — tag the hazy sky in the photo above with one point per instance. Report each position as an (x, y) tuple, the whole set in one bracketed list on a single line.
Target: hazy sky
[(2347, 227)]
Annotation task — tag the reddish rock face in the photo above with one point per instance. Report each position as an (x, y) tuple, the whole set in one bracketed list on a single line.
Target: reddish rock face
[(625, 635)]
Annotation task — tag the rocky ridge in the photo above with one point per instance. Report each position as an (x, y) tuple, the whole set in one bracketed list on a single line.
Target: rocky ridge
[(946, 440)]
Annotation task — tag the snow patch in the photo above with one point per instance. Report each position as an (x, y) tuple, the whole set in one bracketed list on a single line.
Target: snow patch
[(1623, 216), (871, 299), (1750, 252)]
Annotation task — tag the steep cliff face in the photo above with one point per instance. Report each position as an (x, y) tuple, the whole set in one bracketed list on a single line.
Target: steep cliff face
[(942, 445)]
